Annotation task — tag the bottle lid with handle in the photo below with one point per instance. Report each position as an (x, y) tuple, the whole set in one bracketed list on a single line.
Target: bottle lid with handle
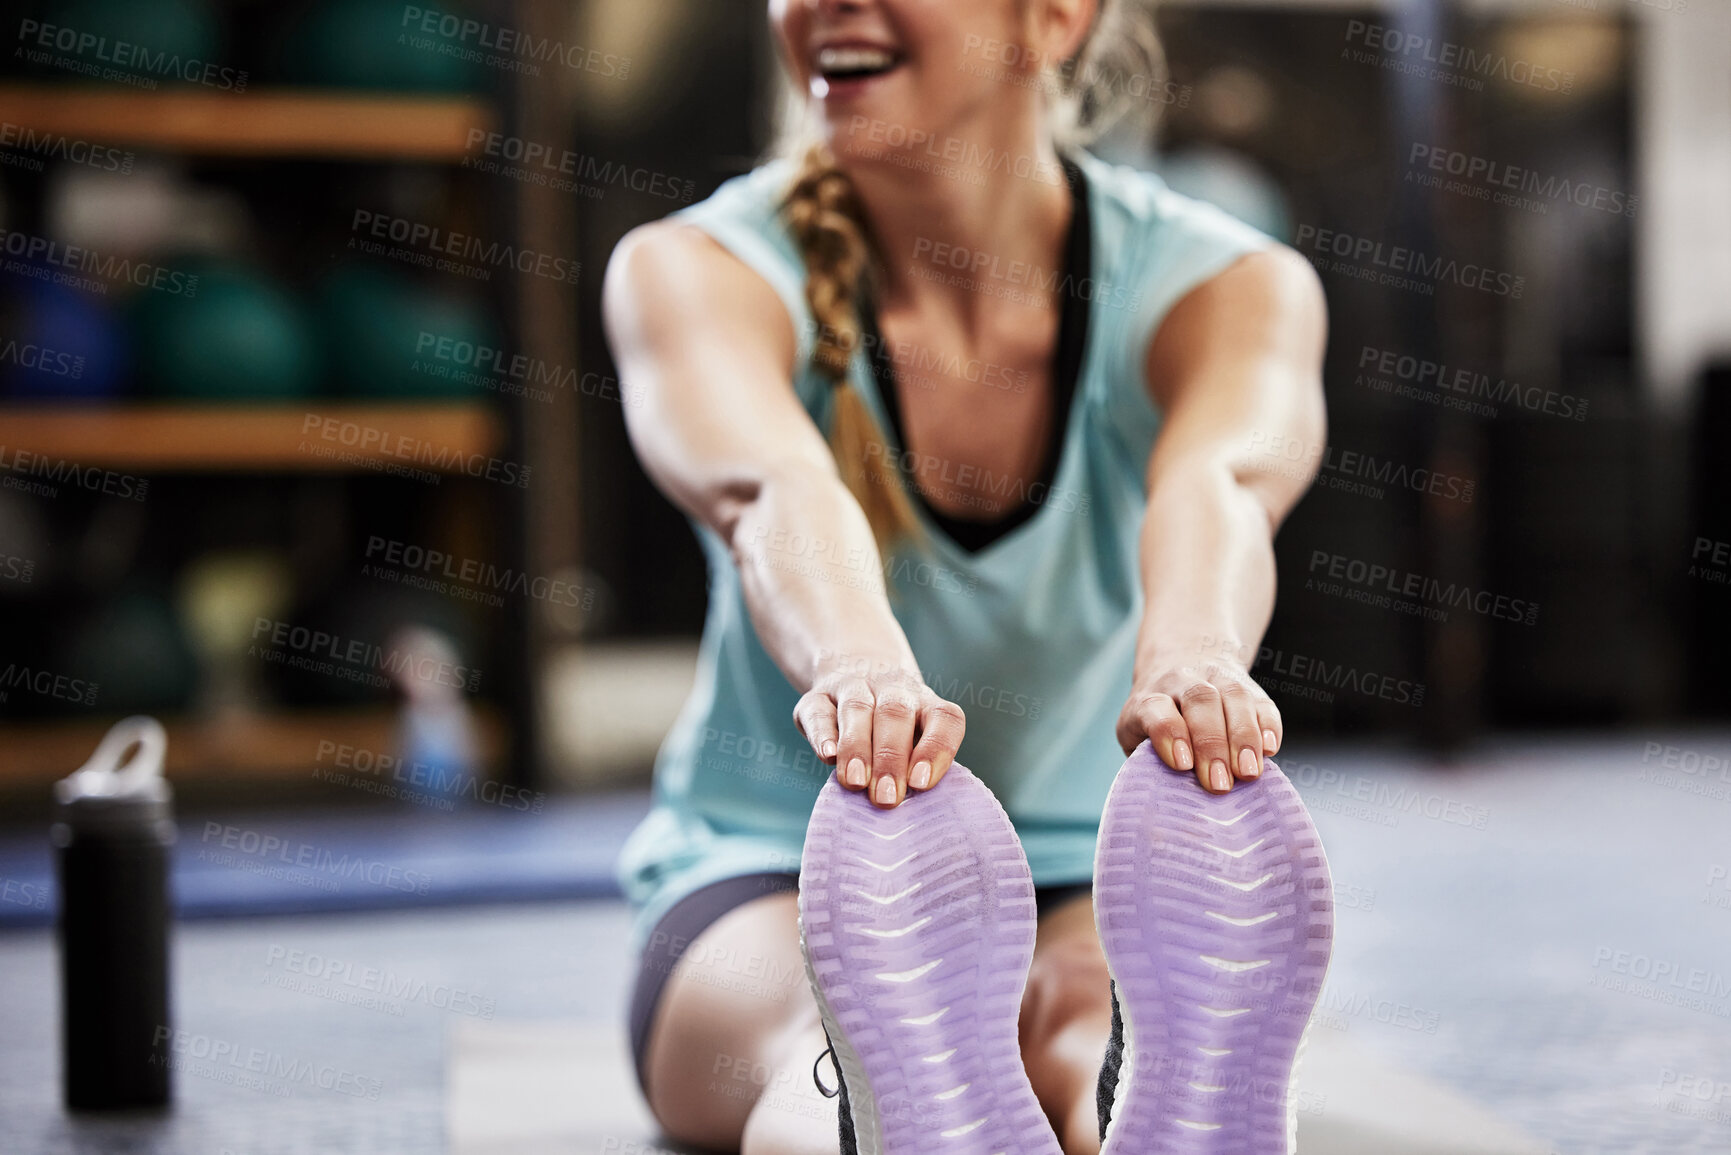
[(122, 781)]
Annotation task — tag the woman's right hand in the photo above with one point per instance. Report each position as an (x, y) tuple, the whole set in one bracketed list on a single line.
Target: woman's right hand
[(881, 727)]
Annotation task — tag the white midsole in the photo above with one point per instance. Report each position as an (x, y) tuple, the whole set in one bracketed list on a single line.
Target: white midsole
[(862, 1106)]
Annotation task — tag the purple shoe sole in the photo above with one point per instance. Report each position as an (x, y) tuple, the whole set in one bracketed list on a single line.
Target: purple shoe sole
[(918, 928), (1216, 915)]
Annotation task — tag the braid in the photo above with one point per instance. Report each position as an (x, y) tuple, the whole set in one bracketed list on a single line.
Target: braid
[(825, 216), (827, 221)]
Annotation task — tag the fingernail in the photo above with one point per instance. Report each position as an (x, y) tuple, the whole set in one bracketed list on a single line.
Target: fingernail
[(1218, 775), (1249, 764), (885, 791), (922, 775), (856, 773), (1181, 753), (828, 750), (1269, 742)]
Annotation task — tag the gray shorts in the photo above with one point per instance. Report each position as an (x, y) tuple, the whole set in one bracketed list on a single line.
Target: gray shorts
[(699, 910)]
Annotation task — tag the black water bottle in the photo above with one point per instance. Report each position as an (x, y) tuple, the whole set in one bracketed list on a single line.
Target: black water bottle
[(113, 829)]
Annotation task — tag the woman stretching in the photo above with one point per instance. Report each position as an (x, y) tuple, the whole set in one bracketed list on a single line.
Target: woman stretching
[(1039, 516)]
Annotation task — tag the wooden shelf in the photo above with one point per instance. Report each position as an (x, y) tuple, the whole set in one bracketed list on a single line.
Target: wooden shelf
[(287, 123), (279, 746), (290, 438)]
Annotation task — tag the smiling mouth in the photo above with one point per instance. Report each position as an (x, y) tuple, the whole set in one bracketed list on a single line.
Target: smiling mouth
[(854, 62)]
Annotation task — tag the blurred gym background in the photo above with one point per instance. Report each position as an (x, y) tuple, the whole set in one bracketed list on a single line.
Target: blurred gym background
[(310, 447)]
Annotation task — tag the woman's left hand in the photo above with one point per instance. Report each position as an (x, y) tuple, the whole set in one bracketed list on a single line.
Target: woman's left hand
[(1203, 713)]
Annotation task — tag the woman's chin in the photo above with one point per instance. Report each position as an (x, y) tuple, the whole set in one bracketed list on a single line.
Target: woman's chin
[(876, 129)]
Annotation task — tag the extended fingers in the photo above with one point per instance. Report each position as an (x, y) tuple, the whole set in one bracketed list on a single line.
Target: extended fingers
[(1156, 717), (1243, 734), (893, 724), (941, 727), (870, 732), (815, 715), (1205, 716), (854, 702), (1269, 720), (1218, 722)]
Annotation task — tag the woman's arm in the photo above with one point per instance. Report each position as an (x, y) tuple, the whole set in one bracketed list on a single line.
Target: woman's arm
[(709, 347), (1236, 367)]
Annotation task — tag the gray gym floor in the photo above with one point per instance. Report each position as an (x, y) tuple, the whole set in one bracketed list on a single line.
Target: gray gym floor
[(1501, 923)]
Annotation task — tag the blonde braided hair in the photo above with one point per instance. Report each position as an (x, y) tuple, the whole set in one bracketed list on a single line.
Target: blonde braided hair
[(828, 223)]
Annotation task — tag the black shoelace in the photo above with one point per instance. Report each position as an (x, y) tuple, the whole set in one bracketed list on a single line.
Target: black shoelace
[(826, 1092)]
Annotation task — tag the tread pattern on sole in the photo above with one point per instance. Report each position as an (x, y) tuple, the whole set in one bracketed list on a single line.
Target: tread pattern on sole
[(1216, 915), (918, 930)]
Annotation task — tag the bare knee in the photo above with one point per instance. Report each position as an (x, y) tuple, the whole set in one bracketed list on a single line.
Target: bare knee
[(1067, 982), (706, 1084), (715, 1044), (792, 1117), (702, 1108), (1066, 1018)]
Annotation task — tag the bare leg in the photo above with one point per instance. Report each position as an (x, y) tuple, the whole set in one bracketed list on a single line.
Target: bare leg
[(737, 1031), (734, 1037), (1066, 1022), (792, 1117)]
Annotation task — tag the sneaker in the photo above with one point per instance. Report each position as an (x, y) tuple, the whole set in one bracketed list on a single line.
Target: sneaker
[(918, 928), (1216, 915)]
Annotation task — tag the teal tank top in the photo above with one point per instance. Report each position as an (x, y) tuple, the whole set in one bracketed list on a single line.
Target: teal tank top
[(1033, 635)]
